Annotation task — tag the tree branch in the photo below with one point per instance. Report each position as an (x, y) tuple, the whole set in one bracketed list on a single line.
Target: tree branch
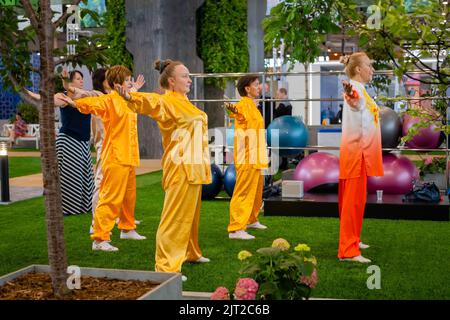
[(64, 16), (60, 61), (24, 93), (30, 13)]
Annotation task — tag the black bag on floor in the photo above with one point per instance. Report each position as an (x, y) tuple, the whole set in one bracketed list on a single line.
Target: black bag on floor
[(428, 192)]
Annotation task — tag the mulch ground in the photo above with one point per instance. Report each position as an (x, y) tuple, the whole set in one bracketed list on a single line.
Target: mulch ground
[(37, 286)]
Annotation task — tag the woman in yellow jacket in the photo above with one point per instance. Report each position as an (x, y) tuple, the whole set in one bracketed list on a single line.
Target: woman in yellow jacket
[(250, 157), (186, 164), (120, 155)]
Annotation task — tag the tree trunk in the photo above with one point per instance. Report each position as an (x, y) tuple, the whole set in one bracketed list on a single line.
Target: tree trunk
[(160, 29), (52, 189), (214, 110)]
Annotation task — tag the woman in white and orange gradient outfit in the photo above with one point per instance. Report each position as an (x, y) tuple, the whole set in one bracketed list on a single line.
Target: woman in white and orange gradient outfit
[(250, 158), (186, 164), (360, 156)]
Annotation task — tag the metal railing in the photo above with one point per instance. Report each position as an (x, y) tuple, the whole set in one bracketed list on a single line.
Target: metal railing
[(271, 75)]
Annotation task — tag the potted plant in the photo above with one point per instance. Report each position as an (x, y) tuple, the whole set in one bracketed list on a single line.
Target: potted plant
[(274, 273)]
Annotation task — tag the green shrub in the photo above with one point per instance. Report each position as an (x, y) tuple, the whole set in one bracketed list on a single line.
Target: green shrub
[(29, 113)]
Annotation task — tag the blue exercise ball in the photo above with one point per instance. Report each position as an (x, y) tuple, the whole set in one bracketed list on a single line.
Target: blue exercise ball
[(210, 191), (229, 179), (290, 132)]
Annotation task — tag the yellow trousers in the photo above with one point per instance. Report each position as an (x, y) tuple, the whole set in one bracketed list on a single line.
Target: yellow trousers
[(247, 199), (98, 176), (177, 235), (117, 199)]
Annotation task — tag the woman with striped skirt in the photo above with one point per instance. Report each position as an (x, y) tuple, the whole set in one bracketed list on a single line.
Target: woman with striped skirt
[(74, 156)]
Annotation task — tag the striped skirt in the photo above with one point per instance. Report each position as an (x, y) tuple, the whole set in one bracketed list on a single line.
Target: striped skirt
[(76, 174)]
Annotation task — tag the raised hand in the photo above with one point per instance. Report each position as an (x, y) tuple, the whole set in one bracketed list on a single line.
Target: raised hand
[(65, 80), (122, 92), (229, 107), (139, 83), (350, 94), (349, 90)]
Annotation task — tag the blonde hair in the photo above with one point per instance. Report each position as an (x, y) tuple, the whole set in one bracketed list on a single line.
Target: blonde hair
[(166, 70), (117, 74), (351, 62)]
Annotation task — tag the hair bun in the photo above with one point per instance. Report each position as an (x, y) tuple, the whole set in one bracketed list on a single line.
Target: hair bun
[(344, 59), (160, 65)]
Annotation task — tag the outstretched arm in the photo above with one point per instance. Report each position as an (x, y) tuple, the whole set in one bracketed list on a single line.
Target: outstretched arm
[(93, 105)]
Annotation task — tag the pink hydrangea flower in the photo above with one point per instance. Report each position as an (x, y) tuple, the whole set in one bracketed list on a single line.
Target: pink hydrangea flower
[(221, 293), (246, 289), (310, 281), (428, 160)]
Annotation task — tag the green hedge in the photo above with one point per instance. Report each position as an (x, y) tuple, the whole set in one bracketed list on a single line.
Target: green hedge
[(222, 37), (115, 24)]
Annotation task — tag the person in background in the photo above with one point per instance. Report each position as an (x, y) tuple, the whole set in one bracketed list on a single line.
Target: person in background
[(268, 105), (19, 129), (74, 155), (285, 107)]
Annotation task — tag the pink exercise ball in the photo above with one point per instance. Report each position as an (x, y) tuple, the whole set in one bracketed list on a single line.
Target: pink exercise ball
[(399, 174), (426, 138), (317, 169)]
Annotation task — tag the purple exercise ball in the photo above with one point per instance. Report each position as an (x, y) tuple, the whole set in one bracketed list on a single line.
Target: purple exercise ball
[(427, 138), (317, 169), (399, 174)]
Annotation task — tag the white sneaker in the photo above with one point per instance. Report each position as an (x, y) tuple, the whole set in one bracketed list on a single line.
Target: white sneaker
[(359, 258), (103, 246), (363, 246), (202, 260), (183, 278), (240, 234), (137, 222), (131, 235), (256, 225)]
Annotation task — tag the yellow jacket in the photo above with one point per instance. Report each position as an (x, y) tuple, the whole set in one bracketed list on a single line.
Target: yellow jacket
[(184, 131), (250, 148), (121, 137)]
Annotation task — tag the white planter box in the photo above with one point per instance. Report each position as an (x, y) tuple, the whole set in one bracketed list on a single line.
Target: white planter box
[(170, 287)]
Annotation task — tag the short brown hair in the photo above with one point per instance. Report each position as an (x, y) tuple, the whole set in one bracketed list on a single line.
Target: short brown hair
[(245, 81), (117, 74), (283, 91), (166, 69), (351, 62)]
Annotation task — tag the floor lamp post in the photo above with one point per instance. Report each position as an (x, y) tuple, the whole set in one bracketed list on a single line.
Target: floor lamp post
[(4, 172)]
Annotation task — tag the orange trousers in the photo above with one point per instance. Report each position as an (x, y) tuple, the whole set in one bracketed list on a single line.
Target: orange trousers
[(352, 200), (247, 199), (117, 199)]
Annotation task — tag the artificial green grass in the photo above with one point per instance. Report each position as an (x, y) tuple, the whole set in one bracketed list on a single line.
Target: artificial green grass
[(412, 255), (23, 166)]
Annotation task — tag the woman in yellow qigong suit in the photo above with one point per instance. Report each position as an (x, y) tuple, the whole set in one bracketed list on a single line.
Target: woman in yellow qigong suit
[(120, 155), (250, 158), (186, 164)]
